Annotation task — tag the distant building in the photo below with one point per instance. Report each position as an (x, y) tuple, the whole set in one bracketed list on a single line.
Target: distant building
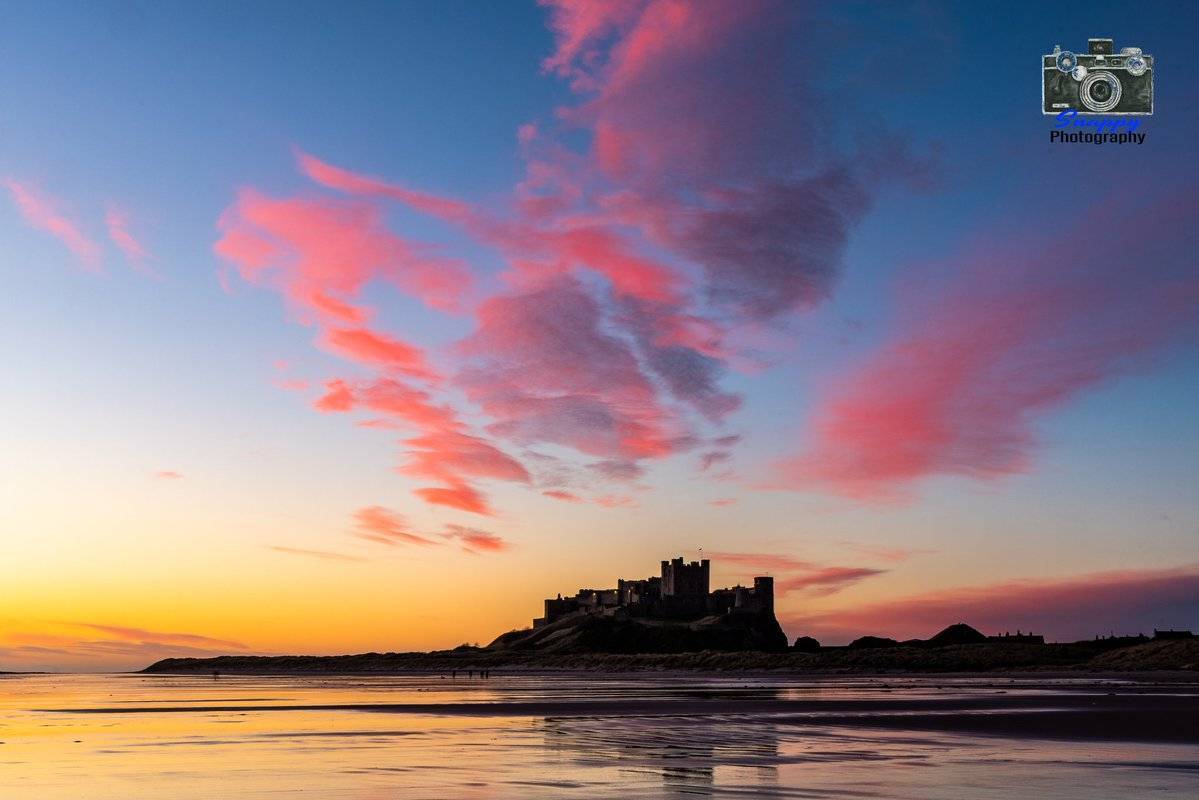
[(1172, 634), (681, 591), (1018, 638)]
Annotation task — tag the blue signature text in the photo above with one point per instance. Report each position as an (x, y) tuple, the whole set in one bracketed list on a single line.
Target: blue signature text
[(1070, 118)]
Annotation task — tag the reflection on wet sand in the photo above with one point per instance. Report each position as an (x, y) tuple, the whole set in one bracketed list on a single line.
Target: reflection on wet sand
[(582, 736), (684, 751)]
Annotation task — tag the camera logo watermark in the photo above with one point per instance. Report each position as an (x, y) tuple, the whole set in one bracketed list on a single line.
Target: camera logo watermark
[(1096, 130), (1097, 97)]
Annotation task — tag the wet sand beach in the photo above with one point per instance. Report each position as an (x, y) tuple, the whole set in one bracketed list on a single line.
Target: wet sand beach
[(585, 735)]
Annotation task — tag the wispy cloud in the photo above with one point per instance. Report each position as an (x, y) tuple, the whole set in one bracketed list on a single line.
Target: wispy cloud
[(43, 212), (799, 575), (144, 636), (89, 646), (321, 253), (616, 501), (474, 540), (321, 554), (1071, 607), (824, 580), (386, 526), (632, 264), (1012, 332), (117, 221)]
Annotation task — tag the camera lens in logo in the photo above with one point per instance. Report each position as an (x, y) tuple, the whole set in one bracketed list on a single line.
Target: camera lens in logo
[(1100, 91), (1066, 61), (1136, 65)]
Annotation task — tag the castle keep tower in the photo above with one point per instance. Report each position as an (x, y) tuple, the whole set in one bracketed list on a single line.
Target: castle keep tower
[(680, 579)]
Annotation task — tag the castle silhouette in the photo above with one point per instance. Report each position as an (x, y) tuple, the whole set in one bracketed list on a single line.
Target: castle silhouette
[(680, 592)]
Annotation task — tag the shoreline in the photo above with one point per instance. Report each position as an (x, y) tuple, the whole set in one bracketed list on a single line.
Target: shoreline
[(1082, 677), (1081, 658), (1146, 711)]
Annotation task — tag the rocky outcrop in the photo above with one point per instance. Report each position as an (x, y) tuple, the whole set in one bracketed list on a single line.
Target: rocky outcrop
[(960, 633), (592, 633)]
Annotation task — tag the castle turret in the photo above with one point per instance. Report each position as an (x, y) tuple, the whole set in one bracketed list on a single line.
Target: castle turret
[(764, 593)]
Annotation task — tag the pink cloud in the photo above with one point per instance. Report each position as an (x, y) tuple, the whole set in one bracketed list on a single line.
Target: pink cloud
[(42, 212), (721, 195), (825, 580), (352, 183), (557, 358), (457, 494), (682, 349), (632, 265), (723, 502), (580, 26), (798, 575), (437, 453), (322, 252), (541, 365), (526, 133), (616, 501), (474, 540), (379, 350), (563, 495), (1019, 331), (580, 244), (378, 422), (393, 398), (442, 451), (713, 198), (387, 527), (338, 397), (117, 222), (168, 474), (1074, 607)]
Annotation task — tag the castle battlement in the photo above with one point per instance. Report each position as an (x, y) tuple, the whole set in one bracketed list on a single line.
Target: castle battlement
[(681, 591)]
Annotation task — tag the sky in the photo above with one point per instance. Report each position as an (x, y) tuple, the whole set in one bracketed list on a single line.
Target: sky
[(364, 328)]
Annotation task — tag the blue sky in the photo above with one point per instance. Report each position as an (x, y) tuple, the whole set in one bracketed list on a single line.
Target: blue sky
[(929, 110)]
